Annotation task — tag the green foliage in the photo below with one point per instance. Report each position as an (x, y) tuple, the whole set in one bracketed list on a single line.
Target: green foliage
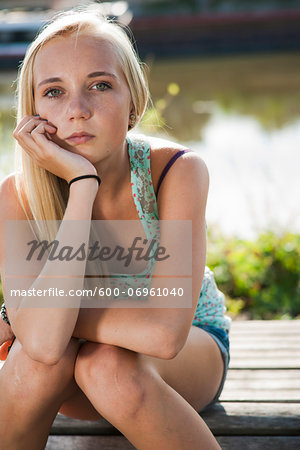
[(261, 278)]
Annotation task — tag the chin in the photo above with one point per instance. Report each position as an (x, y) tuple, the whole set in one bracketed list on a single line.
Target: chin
[(91, 157)]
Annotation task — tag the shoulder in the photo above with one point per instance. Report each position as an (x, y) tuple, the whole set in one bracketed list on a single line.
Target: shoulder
[(11, 208), (8, 190), (189, 168)]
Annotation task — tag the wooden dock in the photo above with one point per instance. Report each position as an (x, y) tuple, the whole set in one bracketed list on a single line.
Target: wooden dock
[(259, 408)]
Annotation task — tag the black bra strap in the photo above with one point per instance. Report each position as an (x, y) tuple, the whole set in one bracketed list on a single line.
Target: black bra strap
[(168, 166)]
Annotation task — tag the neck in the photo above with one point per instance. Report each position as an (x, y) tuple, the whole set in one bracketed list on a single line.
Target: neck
[(114, 172)]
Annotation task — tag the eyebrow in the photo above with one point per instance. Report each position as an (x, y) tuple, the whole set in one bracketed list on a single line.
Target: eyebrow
[(90, 75), (100, 74), (49, 80)]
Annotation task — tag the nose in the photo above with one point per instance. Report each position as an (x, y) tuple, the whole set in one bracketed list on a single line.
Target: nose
[(78, 108)]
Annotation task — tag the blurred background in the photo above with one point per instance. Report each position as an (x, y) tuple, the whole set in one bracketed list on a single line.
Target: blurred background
[(225, 80)]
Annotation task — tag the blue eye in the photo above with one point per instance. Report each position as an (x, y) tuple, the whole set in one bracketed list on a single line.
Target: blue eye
[(101, 86), (53, 92)]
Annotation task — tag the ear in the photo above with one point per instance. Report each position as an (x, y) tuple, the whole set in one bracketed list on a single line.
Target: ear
[(132, 121), (132, 109), (131, 116)]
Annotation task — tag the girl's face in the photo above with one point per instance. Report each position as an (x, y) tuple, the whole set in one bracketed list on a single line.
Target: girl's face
[(80, 88)]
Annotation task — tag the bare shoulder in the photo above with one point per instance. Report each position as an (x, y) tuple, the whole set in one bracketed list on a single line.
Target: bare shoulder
[(11, 208), (158, 143), (190, 163)]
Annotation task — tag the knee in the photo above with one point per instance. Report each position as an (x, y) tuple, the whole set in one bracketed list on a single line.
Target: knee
[(115, 376)]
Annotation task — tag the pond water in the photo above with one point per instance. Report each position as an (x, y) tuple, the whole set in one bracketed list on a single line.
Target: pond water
[(242, 114)]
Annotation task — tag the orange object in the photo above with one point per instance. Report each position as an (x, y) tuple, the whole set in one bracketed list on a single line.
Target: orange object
[(4, 349)]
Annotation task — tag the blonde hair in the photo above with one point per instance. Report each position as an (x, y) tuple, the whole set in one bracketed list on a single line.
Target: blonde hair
[(46, 195)]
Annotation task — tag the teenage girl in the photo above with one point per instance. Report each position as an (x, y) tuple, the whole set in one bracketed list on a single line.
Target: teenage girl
[(148, 371)]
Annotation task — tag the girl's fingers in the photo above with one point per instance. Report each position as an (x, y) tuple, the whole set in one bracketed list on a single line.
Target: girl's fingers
[(37, 126), (22, 123), (42, 128), (28, 130), (33, 134), (45, 145), (28, 124)]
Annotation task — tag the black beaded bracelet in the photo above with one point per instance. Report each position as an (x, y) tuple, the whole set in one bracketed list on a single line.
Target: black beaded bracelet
[(4, 315), (86, 176)]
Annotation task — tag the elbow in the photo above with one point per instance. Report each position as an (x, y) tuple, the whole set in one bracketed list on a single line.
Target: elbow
[(47, 360), (169, 344), (38, 352)]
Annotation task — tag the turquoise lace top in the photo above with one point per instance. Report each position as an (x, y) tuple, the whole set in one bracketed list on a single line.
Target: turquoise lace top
[(211, 305)]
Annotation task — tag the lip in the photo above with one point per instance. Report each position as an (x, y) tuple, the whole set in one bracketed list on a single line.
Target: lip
[(79, 138)]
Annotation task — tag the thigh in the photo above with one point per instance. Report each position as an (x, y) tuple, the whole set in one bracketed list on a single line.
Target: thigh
[(196, 372)]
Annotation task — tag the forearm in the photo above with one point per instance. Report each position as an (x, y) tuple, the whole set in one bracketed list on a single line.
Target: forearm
[(158, 326), (50, 328), (144, 330)]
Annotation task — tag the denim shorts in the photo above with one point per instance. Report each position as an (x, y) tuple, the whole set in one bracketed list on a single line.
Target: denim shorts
[(221, 338)]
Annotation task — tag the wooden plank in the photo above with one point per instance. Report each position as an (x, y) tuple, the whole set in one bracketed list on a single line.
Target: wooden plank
[(257, 360), (258, 395), (271, 353), (288, 343), (234, 418), (271, 329), (259, 442), (254, 419), (271, 375), (266, 325), (64, 425), (88, 443), (273, 379), (262, 385), (244, 363), (121, 443), (262, 334), (252, 331)]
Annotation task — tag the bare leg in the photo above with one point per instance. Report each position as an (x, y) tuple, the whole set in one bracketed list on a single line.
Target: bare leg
[(30, 396), (196, 372), (128, 390)]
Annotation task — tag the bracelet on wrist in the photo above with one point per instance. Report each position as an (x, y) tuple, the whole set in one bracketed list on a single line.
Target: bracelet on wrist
[(86, 176), (4, 314)]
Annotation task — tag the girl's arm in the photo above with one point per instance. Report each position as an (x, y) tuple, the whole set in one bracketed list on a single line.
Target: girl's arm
[(43, 331), (160, 332)]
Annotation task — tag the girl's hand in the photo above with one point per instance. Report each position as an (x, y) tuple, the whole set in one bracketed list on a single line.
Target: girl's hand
[(6, 332), (35, 136)]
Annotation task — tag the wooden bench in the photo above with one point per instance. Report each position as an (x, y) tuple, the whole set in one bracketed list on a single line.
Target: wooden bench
[(259, 408)]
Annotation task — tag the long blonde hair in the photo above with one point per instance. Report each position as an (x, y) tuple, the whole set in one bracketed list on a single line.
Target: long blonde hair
[(47, 195)]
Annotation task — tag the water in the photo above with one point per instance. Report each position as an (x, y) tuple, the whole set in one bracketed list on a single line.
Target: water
[(255, 183), (242, 114)]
